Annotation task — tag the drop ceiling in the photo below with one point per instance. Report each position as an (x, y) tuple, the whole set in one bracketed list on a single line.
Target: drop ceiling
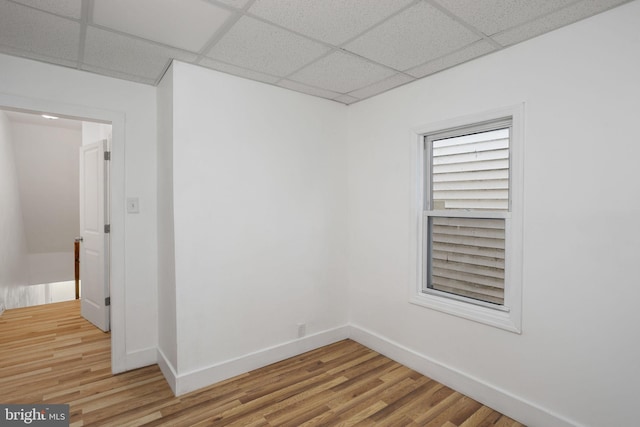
[(343, 50)]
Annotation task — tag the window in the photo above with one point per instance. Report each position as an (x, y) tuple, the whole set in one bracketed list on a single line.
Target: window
[(469, 225), (467, 171)]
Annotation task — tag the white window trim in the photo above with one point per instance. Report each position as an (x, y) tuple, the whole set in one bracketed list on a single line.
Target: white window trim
[(509, 316)]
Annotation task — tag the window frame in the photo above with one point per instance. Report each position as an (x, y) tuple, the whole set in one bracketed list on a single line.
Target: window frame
[(509, 315)]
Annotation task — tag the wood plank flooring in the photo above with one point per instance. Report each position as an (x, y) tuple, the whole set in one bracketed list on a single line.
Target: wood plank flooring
[(50, 354)]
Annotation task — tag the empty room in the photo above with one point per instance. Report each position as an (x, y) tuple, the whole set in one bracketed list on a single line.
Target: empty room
[(331, 212)]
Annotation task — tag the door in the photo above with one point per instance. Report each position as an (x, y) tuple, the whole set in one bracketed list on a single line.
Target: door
[(94, 237)]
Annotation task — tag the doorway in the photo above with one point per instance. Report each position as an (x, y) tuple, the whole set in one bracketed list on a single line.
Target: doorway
[(42, 151), (62, 168), (116, 211)]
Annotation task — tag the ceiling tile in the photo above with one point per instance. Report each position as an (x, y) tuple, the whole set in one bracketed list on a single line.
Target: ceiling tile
[(381, 86), (458, 57), (37, 56), (118, 74), (129, 55), (238, 4), (418, 34), (70, 8), (36, 32), (259, 46), (238, 71), (308, 89), (341, 72), (332, 21), (493, 16), (346, 99), (188, 25), (555, 20)]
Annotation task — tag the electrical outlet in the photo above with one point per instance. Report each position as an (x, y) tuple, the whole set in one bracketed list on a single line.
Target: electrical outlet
[(302, 329)]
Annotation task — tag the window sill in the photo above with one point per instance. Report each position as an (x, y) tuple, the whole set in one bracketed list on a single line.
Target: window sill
[(503, 319)]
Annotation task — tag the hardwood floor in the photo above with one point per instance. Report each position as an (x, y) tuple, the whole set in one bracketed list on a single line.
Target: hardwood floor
[(49, 354)]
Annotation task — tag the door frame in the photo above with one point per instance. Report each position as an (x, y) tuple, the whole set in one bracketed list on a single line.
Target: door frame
[(116, 208)]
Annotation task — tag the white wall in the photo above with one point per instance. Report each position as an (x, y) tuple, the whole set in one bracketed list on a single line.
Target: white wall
[(260, 221), (51, 267), (577, 358), (47, 165), (14, 261), (167, 328), (60, 291), (37, 86)]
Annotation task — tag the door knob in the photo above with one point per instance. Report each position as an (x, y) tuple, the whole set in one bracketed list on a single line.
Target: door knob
[(79, 239)]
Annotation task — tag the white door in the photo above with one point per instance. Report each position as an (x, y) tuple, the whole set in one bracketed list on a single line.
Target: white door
[(94, 246)]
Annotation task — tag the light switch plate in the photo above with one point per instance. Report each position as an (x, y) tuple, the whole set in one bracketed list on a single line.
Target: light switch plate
[(132, 205)]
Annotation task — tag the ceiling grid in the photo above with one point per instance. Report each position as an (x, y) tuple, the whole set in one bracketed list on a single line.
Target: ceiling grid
[(342, 50)]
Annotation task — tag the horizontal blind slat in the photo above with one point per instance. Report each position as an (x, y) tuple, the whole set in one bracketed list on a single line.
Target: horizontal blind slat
[(488, 145), (469, 241), (485, 261), (472, 166), (475, 279), (496, 205), (478, 289), (486, 184), (471, 138), (469, 222), (477, 270), (468, 292), (471, 175), (479, 156), (471, 195), (490, 233), (469, 250)]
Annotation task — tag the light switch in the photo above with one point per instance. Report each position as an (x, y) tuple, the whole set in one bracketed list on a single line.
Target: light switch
[(132, 205)]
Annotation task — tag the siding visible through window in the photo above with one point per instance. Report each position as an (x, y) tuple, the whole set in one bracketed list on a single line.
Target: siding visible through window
[(472, 171), (467, 257), (469, 172)]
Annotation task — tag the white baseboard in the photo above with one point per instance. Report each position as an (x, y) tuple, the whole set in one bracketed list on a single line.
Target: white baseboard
[(168, 370), (503, 401), (513, 406), (184, 383)]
